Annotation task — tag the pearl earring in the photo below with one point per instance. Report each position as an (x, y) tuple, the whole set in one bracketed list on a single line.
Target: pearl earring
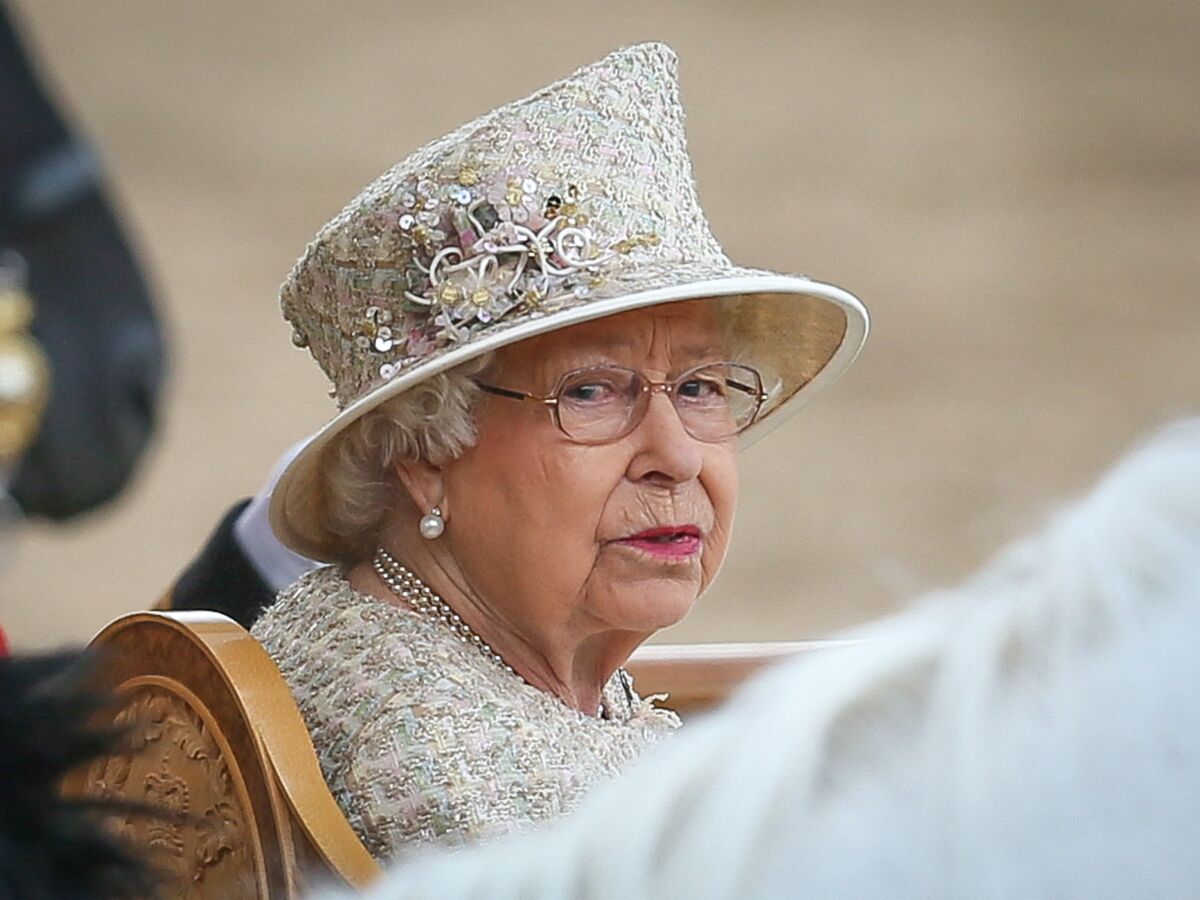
[(432, 525)]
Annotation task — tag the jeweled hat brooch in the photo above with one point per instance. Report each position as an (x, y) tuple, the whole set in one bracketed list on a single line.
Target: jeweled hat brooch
[(574, 203)]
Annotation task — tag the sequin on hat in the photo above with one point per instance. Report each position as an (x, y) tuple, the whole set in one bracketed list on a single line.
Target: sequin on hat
[(574, 203)]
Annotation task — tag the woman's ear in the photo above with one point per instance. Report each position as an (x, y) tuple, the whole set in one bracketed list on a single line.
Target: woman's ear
[(424, 483)]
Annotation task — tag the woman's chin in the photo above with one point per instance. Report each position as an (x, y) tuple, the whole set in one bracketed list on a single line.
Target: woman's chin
[(648, 605)]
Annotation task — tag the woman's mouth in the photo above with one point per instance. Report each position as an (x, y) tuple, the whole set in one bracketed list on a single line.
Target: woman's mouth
[(667, 542)]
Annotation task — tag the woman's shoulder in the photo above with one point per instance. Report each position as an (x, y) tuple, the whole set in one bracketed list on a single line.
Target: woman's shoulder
[(325, 588), (342, 653), (321, 613)]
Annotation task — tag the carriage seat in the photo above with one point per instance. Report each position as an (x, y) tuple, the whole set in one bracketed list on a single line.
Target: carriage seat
[(213, 735)]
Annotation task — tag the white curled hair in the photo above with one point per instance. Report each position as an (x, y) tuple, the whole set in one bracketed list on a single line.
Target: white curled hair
[(1033, 733), (432, 421)]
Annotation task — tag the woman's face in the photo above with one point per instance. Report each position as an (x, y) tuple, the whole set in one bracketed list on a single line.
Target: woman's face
[(546, 531)]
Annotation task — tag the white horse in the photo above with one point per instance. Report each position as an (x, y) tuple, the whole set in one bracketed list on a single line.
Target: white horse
[(1034, 733)]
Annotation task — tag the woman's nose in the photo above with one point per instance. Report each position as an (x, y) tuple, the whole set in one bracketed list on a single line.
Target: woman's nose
[(665, 450)]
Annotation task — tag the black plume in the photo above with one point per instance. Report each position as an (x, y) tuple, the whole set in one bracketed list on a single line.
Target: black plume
[(52, 846)]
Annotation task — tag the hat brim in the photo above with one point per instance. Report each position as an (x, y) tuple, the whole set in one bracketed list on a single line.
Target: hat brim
[(801, 333)]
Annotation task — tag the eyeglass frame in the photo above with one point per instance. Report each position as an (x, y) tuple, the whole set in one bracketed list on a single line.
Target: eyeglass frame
[(649, 386)]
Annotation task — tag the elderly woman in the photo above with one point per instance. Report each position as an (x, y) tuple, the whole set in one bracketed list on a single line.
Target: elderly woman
[(543, 361)]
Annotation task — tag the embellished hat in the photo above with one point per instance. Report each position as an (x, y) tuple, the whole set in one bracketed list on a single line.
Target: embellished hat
[(575, 203)]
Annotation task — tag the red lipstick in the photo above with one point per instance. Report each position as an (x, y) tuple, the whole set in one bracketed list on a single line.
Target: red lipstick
[(667, 542)]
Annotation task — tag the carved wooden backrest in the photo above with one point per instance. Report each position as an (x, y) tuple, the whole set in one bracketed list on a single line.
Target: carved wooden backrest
[(214, 735)]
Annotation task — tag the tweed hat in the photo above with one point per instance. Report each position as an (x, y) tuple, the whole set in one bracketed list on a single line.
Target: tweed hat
[(575, 203)]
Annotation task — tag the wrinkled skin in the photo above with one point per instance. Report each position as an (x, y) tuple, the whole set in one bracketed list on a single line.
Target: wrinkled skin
[(532, 555)]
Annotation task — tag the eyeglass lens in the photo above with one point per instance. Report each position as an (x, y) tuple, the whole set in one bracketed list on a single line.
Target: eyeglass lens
[(605, 403)]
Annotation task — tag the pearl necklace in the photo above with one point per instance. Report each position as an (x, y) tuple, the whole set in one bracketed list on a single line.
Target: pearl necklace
[(405, 584)]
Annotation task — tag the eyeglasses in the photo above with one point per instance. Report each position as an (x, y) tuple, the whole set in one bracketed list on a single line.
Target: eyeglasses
[(601, 404)]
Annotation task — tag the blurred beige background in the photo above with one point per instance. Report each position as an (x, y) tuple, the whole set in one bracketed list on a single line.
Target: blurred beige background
[(1014, 190)]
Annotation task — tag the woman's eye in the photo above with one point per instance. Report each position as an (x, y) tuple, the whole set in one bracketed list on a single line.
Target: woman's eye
[(701, 389), (590, 392)]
